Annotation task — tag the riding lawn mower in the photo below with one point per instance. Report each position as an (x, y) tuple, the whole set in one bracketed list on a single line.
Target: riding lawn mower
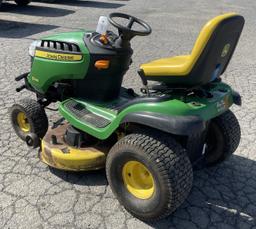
[(149, 142)]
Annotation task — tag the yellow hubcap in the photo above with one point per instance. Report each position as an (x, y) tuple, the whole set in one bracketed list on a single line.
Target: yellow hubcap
[(138, 180), (23, 122)]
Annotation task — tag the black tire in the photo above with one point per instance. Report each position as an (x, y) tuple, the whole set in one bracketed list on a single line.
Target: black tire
[(1, 3), (169, 165), (35, 117), (223, 138), (22, 2)]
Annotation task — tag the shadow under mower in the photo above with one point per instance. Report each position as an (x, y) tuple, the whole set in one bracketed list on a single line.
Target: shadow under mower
[(148, 143)]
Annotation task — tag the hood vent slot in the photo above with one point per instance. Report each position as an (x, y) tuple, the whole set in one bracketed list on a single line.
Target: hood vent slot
[(60, 46)]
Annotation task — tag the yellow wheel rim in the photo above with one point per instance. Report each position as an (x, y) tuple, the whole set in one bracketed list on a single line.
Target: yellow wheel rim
[(23, 122), (138, 180)]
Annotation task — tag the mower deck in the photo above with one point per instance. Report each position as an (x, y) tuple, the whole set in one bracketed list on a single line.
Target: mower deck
[(60, 155)]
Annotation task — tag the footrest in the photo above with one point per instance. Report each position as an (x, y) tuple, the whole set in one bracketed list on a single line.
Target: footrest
[(84, 115)]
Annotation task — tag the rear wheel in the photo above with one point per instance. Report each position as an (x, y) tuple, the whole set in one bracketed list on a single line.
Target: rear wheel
[(28, 117), (22, 2), (223, 138), (151, 175)]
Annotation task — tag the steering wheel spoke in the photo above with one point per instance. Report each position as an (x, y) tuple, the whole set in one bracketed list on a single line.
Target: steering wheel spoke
[(131, 21)]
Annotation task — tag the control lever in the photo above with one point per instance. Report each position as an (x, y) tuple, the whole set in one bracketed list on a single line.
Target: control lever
[(144, 81)]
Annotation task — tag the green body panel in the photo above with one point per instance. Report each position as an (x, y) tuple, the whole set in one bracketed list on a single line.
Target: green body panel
[(45, 72), (205, 108)]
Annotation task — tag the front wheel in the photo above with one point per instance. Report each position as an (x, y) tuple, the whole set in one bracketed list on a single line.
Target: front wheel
[(222, 138), (22, 2), (28, 117), (150, 175)]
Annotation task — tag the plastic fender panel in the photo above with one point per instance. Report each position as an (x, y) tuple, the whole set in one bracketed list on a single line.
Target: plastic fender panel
[(101, 122)]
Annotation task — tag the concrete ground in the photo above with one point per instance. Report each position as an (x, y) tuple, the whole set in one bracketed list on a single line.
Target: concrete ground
[(34, 196)]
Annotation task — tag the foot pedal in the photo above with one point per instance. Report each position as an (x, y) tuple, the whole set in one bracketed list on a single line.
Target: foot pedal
[(84, 115)]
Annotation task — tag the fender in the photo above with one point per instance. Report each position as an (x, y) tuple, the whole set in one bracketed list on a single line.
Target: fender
[(179, 125)]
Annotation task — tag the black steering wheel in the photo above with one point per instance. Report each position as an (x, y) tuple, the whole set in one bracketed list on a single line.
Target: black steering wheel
[(126, 30)]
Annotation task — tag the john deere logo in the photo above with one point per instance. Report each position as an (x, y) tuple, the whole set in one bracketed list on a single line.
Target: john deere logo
[(58, 56), (225, 50)]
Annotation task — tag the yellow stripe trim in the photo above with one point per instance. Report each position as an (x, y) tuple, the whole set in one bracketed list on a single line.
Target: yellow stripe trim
[(58, 56)]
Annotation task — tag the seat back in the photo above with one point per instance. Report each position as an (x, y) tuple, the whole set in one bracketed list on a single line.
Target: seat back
[(214, 48)]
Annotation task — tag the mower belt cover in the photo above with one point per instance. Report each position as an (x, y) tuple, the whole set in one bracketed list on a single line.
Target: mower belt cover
[(62, 156)]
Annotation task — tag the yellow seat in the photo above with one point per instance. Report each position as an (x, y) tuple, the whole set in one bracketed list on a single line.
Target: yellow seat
[(218, 38), (177, 65)]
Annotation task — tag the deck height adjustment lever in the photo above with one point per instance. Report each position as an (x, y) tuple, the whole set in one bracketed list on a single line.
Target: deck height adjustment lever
[(144, 81)]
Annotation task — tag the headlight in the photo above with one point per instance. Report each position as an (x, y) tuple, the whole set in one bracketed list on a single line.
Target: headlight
[(32, 47)]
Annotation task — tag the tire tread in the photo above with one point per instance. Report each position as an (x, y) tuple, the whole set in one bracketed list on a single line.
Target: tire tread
[(172, 162)]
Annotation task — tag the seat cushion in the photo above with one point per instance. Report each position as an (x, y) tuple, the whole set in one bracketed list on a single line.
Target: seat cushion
[(172, 66)]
